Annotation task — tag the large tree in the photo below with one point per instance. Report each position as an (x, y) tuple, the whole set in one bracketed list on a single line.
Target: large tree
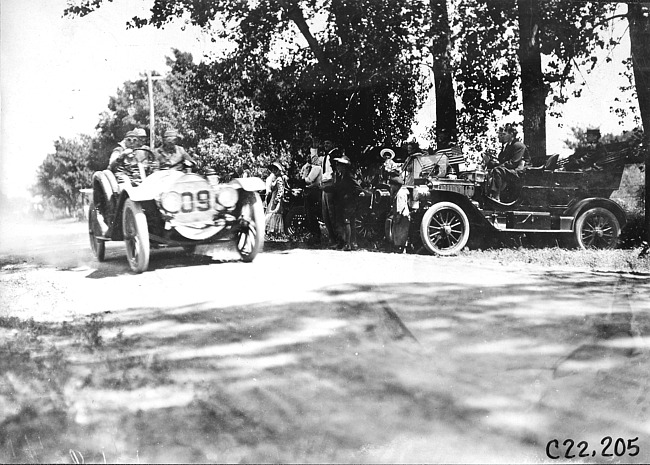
[(502, 46), (439, 32), (639, 19)]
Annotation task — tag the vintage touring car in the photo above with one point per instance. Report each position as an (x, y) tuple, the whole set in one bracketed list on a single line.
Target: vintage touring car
[(573, 205), (177, 209)]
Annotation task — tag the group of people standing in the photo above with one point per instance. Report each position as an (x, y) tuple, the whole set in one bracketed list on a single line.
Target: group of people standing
[(133, 160), (330, 188)]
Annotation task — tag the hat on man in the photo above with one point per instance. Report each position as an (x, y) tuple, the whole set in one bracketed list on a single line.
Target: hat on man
[(593, 132), (130, 134), (139, 132), (387, 154), (276, 165), (344, 160), (169, 133)]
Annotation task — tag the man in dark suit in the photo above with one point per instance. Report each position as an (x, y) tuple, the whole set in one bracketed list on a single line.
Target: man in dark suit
[(508, 167)]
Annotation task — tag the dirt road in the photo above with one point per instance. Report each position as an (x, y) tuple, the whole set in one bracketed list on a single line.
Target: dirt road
[(314, 356)]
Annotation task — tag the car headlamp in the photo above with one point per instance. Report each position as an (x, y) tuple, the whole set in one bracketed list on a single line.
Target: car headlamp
[(171, 201), (227, 197)]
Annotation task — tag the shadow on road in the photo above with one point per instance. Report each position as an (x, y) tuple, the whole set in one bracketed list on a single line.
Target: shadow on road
[(361, 373)]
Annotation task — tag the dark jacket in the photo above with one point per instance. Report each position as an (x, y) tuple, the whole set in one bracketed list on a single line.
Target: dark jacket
[(514, 156)]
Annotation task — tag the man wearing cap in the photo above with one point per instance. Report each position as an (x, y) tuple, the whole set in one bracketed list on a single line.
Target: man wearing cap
[(171, 156), (347, 190), (130, 141), (133, 163)]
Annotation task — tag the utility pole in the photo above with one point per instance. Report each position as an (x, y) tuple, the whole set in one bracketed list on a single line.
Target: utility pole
[(150, 80)]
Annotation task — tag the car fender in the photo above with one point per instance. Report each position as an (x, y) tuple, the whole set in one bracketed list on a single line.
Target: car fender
[(252, 184), (474, 215), (592, 202)]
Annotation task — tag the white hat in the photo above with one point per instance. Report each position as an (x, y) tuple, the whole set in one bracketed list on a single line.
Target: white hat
[(387, 154)]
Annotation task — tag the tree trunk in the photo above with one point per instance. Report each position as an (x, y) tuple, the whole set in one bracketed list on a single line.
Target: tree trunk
[(446, 128), (533, 89), (295, 14), (638, 17)]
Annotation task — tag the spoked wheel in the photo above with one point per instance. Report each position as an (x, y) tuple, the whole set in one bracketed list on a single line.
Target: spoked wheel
[(597, 228), (296, 221), (94, 230), (444, 229), (136, 236), (250, 238), (369, 226)]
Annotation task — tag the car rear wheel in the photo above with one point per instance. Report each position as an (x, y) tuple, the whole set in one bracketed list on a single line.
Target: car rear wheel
[(444, 229), (250, 237), (136, 236), (94, 230), (597, 228)]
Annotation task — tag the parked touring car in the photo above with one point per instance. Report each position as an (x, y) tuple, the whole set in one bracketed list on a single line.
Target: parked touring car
[(175, 209), (573, 205)]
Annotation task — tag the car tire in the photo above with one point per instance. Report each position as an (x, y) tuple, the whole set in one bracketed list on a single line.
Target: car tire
[(296, 221), (136, 236), (249, 240), (596, 228), (94, 230), (444, 229)]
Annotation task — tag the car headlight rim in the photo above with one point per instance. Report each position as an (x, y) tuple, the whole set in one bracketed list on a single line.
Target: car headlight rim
[(227, 197), (171, 201)]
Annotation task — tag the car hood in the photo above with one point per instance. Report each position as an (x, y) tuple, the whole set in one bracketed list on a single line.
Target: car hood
[(156, 183)]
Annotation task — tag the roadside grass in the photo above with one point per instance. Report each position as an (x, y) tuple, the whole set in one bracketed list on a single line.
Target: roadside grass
[(621, 260), (41, 362)]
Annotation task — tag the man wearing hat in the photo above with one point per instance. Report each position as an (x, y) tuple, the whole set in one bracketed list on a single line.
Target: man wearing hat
[(347, 190), (508, 167), (312, 173), (329, 196), (171, 156), (587, 156), (389, 168)]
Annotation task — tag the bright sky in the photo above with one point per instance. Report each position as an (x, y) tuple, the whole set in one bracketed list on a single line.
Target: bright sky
[(56, 75)]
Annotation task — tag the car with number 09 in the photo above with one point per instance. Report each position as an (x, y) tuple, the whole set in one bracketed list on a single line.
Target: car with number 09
[(172, 208)]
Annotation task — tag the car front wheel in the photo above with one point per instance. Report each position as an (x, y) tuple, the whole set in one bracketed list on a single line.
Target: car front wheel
[(94, 230), (250, 237), (597, 228), (444, 229), (136, 236)]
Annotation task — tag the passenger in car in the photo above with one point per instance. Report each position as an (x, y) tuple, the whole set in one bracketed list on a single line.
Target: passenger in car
[(587, 157), (172, 156), (508, 167)]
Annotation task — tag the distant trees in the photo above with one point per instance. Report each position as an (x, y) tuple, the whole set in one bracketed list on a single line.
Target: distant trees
[(64, 172)]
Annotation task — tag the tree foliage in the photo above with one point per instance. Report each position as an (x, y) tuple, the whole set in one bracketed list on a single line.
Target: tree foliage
[(63, 173)]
